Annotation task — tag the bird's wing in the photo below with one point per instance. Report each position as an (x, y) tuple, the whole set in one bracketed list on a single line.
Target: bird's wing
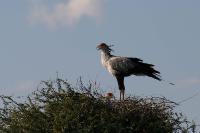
[(124, 65)]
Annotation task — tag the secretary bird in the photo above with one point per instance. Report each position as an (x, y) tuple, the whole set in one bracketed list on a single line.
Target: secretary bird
[(121, 67)]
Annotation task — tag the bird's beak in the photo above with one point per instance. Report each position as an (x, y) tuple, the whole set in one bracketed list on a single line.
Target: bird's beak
[(98, 48)]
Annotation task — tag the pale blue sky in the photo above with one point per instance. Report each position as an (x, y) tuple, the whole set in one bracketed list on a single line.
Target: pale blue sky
[(38, 38)]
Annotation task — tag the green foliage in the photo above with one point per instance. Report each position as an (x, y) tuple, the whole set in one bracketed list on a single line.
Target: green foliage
[(57, 107)]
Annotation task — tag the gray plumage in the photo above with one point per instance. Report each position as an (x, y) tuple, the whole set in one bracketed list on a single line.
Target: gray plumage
[(121, 67)]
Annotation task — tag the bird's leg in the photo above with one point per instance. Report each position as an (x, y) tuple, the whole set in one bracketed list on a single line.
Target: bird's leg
[(120, 81), (123, 94), (120, 95), (122, 88)]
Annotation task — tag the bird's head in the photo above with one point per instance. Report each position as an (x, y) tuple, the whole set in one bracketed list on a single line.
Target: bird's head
[(104, 47)]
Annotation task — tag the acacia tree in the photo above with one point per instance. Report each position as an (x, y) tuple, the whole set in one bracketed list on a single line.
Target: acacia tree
[(57, 107)]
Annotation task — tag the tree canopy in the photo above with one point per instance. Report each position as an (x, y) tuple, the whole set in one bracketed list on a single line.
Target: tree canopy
[(57, 107)]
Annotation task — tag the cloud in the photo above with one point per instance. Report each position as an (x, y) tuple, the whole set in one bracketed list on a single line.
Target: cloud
[(67, 13), (189, 82)]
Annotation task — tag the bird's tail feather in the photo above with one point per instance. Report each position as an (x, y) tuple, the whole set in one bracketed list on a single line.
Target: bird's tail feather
[(151, 72), (155, 76)]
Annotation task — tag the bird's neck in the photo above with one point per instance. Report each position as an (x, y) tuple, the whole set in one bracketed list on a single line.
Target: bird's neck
[(105, 56)]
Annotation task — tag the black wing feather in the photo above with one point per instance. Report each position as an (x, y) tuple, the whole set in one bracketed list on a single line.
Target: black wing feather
[(145, 69)]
